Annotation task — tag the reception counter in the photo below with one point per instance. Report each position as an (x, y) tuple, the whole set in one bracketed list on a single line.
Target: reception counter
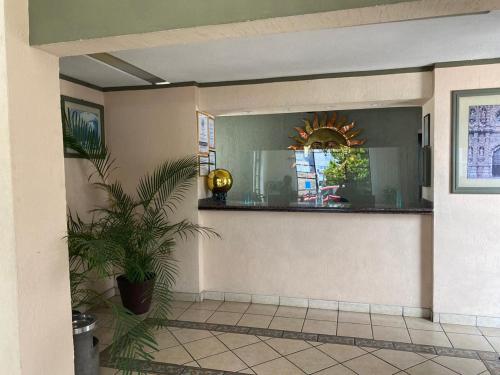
[(303, 252), (424, 207)]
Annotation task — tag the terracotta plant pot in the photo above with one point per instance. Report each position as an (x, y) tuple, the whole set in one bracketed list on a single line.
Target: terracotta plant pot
[(136, 296)]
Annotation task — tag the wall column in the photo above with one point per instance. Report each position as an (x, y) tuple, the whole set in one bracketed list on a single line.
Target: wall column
[(34, 279)]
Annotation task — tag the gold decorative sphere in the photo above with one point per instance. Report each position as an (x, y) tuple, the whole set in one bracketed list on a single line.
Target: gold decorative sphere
[(219, 181)]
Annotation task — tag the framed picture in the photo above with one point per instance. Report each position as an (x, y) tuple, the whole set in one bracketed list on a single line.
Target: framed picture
[(426, 139), (211, 132), (212, 158), (476, 141), (91, 113), (203, 165), (203, 136)]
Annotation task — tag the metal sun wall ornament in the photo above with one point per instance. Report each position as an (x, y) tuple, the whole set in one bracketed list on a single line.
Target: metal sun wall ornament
[(327, 133)]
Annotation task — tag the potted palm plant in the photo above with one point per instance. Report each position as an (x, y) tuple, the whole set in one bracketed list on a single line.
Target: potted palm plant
[(131, 237)]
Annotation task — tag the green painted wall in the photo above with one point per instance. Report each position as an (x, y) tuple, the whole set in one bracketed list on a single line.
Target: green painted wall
[(66, 20)]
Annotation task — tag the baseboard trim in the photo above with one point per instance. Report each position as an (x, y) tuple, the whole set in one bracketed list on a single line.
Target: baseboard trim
[(419, 312), (467, 320)]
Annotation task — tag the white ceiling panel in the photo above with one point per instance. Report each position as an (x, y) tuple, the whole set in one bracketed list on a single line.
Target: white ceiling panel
[(92, 71)]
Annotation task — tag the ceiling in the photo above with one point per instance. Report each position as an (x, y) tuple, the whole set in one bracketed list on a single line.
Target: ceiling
[(361, 48)]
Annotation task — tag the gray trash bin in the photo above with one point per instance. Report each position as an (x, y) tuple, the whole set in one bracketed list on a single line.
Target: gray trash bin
[(86, 346)]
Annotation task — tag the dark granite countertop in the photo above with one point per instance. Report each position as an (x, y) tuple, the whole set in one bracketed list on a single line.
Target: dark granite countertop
[(423, 208)]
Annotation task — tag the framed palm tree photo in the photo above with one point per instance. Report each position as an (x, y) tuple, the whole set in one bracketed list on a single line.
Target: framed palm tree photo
[(476, 141), (88, 113)]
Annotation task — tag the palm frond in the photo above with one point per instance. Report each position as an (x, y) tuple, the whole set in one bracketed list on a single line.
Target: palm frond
[(130, 235), (168, 183)]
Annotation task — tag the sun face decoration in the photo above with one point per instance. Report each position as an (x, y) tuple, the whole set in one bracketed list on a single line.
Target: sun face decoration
[(326, 133)]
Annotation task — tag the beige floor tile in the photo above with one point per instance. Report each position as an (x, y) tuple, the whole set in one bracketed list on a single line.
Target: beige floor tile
[(311, 360), (181, 304), (368, 349), (165, 339), (291, 312), (258, 321), (185, 335), (196, 315), (490, 331), (388, 320), (370, 365), (246, 371), (264, 338), (457, 328), (429, 368), (354, 330), (175, 313), (421, 323), (341, 353), (105, 336), (256, 354), (314, 343), (236, 340), (287, 324), (354, 317), (320, 314), (176, 355), (192, 364), (400, 359), (287, 346), (336, 370), (472, 342), (225, 361), (429, 338), (205, 348), (260, 309), (320, 326), (107, 371), (206, 305), (216, 333), (280, 366), (238, 307), (224, 317), (427, 355), (463, 366), (391, 334), (104, 319), (495, 342)]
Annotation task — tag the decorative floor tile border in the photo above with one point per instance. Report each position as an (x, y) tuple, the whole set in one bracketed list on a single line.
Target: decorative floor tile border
[(490, 359)]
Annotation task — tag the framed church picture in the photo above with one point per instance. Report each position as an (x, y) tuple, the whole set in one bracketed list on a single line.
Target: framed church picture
[(476, 141)]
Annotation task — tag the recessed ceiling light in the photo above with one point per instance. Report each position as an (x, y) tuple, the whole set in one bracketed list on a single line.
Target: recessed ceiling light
[(162, 83)]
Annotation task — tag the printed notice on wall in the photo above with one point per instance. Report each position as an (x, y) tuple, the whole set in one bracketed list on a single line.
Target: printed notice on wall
[(203, 136), (211, 132)]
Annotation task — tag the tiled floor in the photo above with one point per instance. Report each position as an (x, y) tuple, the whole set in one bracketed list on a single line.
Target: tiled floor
[(352, 324), (252, 354)]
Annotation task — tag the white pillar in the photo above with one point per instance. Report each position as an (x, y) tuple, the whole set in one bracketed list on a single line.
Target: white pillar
[(35, 308)]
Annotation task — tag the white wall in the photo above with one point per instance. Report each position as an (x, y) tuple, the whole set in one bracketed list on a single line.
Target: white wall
[(401, 90), (380, 259), (80, 195), (145, 128), (466, 226), (369, 258), (34, 278)]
